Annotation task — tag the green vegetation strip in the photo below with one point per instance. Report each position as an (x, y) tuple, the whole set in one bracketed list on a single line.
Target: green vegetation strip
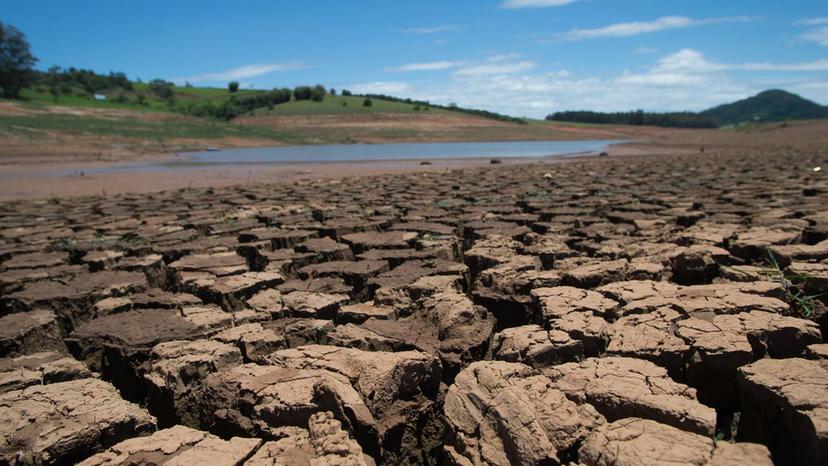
[(160, 129)]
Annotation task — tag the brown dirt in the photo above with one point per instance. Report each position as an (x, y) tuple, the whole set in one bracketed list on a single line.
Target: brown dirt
[(532, 312)]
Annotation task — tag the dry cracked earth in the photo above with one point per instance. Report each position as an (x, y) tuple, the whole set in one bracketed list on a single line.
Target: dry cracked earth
[(604, 312)]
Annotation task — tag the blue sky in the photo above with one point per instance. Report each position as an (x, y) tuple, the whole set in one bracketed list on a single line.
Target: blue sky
[(522, 57)]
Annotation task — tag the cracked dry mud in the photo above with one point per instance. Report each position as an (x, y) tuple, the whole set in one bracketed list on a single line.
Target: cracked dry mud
[(612, 312)]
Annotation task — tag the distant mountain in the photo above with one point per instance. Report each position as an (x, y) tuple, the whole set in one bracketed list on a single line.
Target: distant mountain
[(773, 105)]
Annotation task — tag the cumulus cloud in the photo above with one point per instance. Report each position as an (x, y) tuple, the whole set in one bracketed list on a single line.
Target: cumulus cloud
[(242, 72), (635, 28), (515, 4), (436, 29), (428, 66), (690, 60), (683, 80)]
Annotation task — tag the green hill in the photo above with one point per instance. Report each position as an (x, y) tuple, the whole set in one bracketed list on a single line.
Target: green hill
[(773, 105), (85, 88)]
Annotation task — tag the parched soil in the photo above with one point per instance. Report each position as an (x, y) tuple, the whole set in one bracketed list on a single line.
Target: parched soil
[(617, 310)]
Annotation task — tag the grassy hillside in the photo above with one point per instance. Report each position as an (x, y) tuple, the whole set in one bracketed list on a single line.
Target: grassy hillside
[(140, 98), (335, 105), (127, 126), (768, 106), (82, 113)]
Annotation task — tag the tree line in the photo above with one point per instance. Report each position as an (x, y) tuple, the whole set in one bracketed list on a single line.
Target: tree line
[(424, 105), (238, 104), (65, 81), (637, 118)]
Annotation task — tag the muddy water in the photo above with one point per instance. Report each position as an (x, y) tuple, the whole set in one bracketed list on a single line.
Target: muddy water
[(359, 153)]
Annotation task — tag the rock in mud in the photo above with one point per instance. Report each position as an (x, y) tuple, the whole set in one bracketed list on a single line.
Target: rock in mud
[(502, 413), (752, 244), (323, 443), (354, 274), (359, 313), (267, 303), (399, 388), (625, 388), (536, 347), (785, 406), (30, 332), (73, 299), (557, 302), (326, 249), (174, 373), (642, 441), (596, 273), (39, 369), (380, 377), (230, 292), (117, 345), (253, 340), (817, 351), (698, 264), (177, 445), (361, 242), (65, 422), (651, 337), (724, 343), (313, 305), (256, 401), (724, 298)]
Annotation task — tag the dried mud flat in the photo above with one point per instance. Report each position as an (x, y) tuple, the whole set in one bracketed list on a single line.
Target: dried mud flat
[(596, 312)]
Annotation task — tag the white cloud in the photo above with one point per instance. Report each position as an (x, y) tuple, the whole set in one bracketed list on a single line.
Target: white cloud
[(428, 66), (644, 50), (819, 36), (817, 65), (436, 29), (635, 28), (690, 60), (242, 72), (495, 68), (812, 21), (683, 80), (559, 74), (380, 87), (514, 4), (686, 60), (506, 63), (688, 66), (501, 57)]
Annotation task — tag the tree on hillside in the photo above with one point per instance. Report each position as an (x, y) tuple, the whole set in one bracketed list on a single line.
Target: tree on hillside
[(16, 61), (165, 90), (302, 93), (233, 86), (367, 102), (318, 93), (332, 91), (346, 92)]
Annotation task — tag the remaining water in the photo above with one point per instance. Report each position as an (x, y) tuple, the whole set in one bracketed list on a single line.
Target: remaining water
[(373, 152), (353, 153)]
